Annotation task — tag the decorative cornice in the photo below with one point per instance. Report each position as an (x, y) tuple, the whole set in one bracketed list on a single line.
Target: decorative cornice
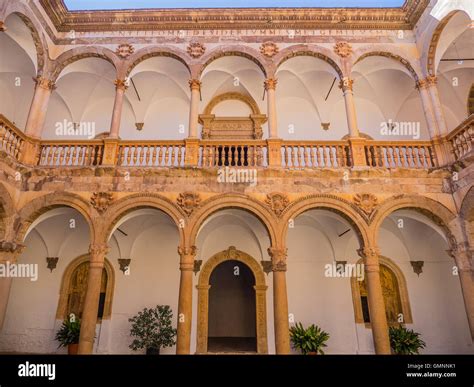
[(242, 18)]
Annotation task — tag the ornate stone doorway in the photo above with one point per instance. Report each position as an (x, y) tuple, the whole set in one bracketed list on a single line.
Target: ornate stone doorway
[(237, 328)]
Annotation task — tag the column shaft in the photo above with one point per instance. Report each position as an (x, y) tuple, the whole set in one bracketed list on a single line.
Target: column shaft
[(427, 108), (39, 107), (185, 302), (195, 86), (120, 87), (91, 301), (346, 85), (378, 317), (270, 86), (280, 301)]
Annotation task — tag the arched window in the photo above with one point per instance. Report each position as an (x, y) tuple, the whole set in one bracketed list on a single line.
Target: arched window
[(394, 292), (74, 288)]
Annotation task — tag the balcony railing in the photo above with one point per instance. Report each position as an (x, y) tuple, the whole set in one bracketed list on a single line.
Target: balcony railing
[(11, 138), (235, 153), (462, 138), (400, 154)]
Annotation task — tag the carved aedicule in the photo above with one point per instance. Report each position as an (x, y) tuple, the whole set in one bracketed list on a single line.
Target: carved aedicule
[(232, 128)]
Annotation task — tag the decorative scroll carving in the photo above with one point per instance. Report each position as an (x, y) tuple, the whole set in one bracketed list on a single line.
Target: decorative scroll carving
[(188, 201), (125, 50), (269, 49), (195, 50), (278, 202), (366, 202), (101, 201)]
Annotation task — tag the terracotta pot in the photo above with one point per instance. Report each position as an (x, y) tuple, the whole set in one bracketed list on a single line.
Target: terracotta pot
[(72, 349)]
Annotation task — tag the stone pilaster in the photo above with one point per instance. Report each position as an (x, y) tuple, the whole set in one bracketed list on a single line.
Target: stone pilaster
[(431, 82), (91, 302), (463, 257), (378, 317), (9, 252), (195, 86), (39, 107), (120, 88), (185, 302), (280, 300), (270, 87)]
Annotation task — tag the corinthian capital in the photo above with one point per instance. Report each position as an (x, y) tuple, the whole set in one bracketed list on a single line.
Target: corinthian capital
[(346, 84), (44, 83), (270, 83), (195, 84), (121, 84), (98, 251), (278, 257), (431, 80), (370, 255), (187, 251)]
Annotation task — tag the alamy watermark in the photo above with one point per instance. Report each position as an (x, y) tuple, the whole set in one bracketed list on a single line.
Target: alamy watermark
[(344, 270), (402, 128), (19, 270), (237, 175), (67, 128)]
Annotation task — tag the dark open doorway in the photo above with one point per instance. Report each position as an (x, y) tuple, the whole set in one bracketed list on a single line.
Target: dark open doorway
[(232, 316)]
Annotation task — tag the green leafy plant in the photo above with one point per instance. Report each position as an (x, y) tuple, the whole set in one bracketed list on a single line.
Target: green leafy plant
[(152, 329), (69, 332), (405, 341), (308, 340)]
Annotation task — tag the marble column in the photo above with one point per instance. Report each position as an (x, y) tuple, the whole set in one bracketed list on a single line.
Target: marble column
[(185, 302), (91, 302), (378, 317), (270, 87), (9, 252), (280, 300), (120, 88), (195, 86), (39, 106), (422, 87), (345, 85), (463, 257), (431, 81)]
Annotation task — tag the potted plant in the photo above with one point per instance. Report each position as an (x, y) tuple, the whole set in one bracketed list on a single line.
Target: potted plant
[(152, 329), (68, 335), (310, 341), (405, 341)]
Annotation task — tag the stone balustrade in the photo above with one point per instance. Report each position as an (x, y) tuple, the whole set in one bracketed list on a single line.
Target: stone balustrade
[(292, 154)]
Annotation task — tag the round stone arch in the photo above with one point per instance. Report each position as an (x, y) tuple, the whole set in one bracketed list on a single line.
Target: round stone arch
[(66, 280), (341, 207), (143, 200), (150, 52), (432, 209), (308, 50), (246, 99), (30, 212), (203, 297), (24, 13), (237, 201), (242, 51), (76, 54), (365, 53)]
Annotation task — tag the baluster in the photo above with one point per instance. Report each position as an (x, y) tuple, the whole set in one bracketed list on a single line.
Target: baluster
[(411, 157), (141, 154)]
